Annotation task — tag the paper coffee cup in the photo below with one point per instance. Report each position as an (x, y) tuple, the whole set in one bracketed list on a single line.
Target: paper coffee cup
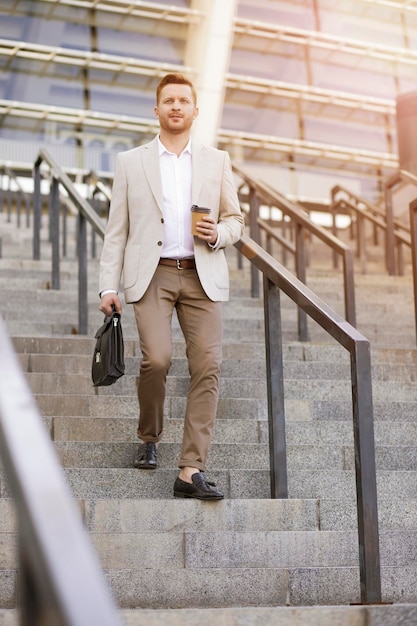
[(197, 213)]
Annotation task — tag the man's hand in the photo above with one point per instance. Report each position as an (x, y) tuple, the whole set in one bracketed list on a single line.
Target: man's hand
[(207, 229), (107, 302)]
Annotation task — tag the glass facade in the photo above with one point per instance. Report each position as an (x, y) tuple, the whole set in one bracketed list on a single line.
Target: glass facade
[(310, 89)]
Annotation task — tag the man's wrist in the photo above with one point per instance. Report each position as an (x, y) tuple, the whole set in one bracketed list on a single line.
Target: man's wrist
[(216, 244), (106, 291)]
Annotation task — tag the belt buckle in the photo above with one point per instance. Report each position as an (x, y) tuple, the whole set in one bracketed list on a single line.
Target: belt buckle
[(179, 265)]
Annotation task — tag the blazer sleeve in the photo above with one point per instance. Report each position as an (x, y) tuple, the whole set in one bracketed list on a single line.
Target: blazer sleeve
[(111, 260), (231, 221)]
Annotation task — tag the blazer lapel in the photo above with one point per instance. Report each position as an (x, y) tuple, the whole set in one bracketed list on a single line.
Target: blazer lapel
[(151, 166)]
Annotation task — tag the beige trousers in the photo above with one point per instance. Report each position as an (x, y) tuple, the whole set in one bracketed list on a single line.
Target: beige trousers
[(201, 323)]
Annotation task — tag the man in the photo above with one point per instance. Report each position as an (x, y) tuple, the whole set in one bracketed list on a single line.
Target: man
[(148, 237)]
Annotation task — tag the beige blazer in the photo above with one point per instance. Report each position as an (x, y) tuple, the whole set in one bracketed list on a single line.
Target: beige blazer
[(135, 230)]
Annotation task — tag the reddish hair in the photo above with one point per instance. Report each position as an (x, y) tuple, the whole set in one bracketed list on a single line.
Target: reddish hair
[(175, 79)]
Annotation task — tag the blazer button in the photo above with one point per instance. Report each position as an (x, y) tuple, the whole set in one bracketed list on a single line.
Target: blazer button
[(159, 243), (162, 220)]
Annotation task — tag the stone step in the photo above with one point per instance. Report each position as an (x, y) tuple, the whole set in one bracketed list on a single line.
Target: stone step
[(180, 549), (267, 616), (111, 404), (225, 587), (272, 616), (252, 515), (62, 384), (96, 454), (235, 431), (237, 387), (292, 351), (400, 339), (228, 408), (90, 483), (231, 367), (37, 291)]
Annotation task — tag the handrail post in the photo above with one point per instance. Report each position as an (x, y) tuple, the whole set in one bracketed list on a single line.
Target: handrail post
[(37, 209), (64, 231), (334, 225), (349, 286), (54, 231), (413, 229), (365, 470), (284, 256), (9, 199), (300, 270), (27, 209), (18, 207), (93, 234), (82, 276), (361, 241), (275, 390), (390, 240), (1, 189), (400, 258), (255, 235)]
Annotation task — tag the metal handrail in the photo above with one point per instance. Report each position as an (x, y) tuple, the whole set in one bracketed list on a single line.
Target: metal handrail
[(85, 214), (413, 231), (60, 578), (400, 177), (276, 278), (96, 187), (22, 196), (366, 212), (262, 193)]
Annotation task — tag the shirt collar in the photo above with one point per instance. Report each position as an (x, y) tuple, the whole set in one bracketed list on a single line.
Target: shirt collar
[(162, 149)]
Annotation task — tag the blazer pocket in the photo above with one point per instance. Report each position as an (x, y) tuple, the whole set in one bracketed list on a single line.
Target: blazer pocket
[(131, 265)]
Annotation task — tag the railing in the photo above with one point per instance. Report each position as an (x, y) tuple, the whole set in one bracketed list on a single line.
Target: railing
[(97, 188), (86, 214), (401, 177), (60, 579), (413, 230), (261, 193), (277, 278), (363, 214), (22, 198)]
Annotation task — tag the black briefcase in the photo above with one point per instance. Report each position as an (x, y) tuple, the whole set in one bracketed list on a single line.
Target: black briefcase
[(108, 358)]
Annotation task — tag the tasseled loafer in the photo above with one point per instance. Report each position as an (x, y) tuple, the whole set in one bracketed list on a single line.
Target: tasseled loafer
[(199, 489), (146, 456)]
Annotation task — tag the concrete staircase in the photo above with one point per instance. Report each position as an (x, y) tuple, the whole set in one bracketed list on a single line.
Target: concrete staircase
[(248, 559)]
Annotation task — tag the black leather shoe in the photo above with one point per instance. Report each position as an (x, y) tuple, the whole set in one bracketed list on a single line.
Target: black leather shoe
[(199, 489), (146, 456)]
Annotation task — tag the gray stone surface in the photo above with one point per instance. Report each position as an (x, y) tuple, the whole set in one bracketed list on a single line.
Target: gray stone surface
[(181, 516), (272, 549), (8, 548), (8, 581), (199, 588), (397, 615), (321, 586)]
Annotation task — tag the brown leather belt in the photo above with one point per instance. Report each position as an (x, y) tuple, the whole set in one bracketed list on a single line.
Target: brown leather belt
[(180, 264)]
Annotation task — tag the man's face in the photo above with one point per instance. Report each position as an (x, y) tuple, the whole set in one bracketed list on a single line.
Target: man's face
[(176, 109)]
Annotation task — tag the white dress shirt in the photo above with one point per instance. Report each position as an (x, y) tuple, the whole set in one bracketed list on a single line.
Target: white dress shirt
[(176, 179)]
